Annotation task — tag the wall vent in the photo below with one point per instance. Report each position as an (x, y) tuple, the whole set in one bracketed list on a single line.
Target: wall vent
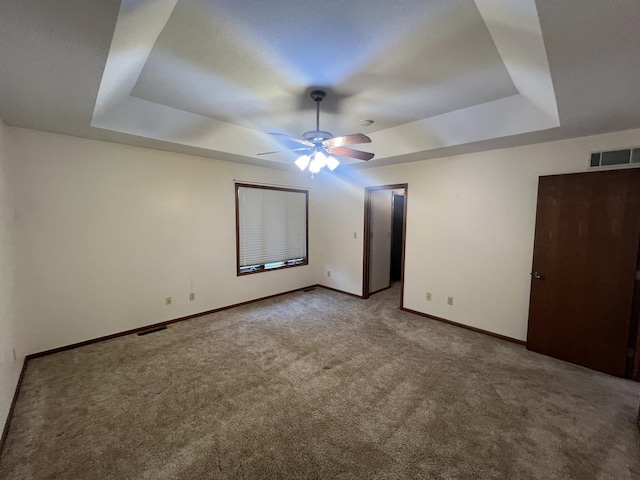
[(613, 158)]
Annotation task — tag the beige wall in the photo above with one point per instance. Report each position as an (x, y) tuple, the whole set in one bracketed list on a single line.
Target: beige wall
[(470, 226), (10, 335), (104, 232), (107, 231), (341, 218)]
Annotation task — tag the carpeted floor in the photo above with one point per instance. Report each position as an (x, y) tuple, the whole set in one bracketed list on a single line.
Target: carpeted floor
[(318, 385)]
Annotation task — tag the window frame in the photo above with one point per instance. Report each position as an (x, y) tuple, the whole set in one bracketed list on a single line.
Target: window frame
[(241, 271)]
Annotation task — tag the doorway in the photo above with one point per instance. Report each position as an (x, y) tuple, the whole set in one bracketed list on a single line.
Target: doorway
[(385, 213), (397, 236)]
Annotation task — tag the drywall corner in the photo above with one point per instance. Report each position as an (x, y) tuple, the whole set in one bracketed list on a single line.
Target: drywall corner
[(11, 351)]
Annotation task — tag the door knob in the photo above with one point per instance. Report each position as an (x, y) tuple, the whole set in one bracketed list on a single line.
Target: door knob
[(536, 275)]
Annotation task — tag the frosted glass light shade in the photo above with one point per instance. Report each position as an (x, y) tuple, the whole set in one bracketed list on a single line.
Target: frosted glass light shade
[(332, 163), (314, 166), (321, 159), (302, 161), (316, 161)]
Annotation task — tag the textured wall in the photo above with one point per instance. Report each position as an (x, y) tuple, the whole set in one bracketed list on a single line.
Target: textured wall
[(107, 231), (9, 329), (470, 228)]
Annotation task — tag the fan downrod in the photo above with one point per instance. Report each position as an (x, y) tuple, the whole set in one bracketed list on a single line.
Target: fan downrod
[(317, 96)]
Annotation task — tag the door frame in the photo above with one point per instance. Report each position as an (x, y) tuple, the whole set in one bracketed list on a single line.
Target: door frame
[(367, 232), (632, 369)]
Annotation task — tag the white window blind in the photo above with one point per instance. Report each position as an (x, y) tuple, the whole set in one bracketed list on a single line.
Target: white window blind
[(272, 228)]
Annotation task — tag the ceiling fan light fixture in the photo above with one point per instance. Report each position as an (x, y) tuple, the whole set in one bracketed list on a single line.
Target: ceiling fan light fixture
[(302, 161), (321, 159), (314, 166), (332, 163), (321, 145)]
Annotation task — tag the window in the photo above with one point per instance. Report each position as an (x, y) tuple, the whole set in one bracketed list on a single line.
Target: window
[(271, 228)]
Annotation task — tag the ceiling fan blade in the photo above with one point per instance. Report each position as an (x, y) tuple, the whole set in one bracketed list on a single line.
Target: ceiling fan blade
[(352, 139), (347, 152), (282, 151), (293, 139)]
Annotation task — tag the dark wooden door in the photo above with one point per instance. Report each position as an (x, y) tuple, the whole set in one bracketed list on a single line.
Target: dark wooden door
[(584, 267)]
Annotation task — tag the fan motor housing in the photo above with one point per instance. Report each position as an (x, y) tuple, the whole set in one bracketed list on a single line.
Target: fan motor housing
[(318, 95), (316, 136)]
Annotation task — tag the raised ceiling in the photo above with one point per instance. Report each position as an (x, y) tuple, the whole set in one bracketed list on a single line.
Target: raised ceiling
[(233, 61), (212, 77)]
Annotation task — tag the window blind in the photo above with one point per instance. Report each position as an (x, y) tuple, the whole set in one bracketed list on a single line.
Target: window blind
[(272, 227)]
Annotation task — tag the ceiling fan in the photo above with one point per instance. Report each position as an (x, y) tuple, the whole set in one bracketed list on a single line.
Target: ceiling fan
[(319, 147)]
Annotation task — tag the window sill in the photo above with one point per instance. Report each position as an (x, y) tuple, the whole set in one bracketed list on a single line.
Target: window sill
[(261, 268)]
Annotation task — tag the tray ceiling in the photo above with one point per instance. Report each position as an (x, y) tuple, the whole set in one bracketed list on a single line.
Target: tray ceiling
[(212, 77)]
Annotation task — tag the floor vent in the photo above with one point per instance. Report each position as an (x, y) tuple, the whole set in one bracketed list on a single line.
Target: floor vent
[(611, 158), (152, 330)]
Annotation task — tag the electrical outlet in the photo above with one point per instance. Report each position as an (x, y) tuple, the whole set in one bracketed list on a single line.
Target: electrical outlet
[(167, 301), (429, 296), (355, 234), (449, 300), (328, 273), (15, 357), (192, 297)]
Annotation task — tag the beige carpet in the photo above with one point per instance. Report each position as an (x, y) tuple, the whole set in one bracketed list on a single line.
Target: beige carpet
[(318, 385)]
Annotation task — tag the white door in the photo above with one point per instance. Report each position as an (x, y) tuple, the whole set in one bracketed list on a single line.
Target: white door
[(380, 240)]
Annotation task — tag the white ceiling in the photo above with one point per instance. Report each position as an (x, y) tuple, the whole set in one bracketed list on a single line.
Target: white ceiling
[(212, 77), (233, 62)]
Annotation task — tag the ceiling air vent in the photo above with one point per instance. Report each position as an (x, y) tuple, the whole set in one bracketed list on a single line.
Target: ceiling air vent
[(612, 158)]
